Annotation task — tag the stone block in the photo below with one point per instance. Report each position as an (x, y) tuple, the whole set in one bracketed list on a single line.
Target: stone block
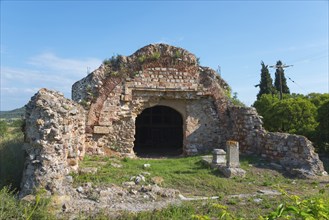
[(101, 130), (231, 172), (104, 122), (219, 156), (232, 148)]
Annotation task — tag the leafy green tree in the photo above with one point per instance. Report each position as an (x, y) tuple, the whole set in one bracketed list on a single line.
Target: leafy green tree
[(318, 99), (3, 128), (263, 106), (295, 116), (266, 82), (280, 71), (299, 114), (322, 130), (291, 115)]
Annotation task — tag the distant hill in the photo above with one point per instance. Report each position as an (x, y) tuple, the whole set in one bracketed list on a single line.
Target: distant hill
[(13, 114)]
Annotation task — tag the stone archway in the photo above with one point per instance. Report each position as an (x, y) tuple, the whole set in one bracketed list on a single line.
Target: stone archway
[(159, 132)]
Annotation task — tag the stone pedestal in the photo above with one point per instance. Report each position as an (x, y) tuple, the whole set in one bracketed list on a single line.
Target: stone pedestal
[(232, 167), (219, 156)]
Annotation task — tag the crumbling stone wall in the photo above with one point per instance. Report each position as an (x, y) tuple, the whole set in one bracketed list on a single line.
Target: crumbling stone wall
[(54, 141), (294, 152)]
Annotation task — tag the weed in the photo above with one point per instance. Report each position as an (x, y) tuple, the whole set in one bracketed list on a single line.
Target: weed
[(315, 207), (11, 208), (177, 54), (93, 195), (233, 201), (84, 103), (126, 159), (155, 56), (141, 59), (198, 61), (267, 183)]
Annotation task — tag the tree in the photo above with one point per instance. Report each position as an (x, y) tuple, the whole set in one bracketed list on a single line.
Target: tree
[(306, 115), (318, 99), (322, 131), (263, 105), (265, 85), (296, 116), (279, 73), (291, 115)]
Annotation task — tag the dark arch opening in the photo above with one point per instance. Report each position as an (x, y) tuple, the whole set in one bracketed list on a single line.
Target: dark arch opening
[(159, 132)]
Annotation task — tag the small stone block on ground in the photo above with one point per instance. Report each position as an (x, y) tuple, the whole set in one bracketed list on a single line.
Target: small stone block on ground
[(232, 172)]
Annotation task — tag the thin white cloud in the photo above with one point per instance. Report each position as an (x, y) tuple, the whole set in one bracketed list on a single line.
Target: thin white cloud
[(15, 90), (45, 70), (73, 67)]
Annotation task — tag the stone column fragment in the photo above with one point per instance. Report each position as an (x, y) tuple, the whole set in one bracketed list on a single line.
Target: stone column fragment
[(232, 149)]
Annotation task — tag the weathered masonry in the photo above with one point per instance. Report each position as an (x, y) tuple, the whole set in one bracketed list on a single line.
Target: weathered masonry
[(157, 101)]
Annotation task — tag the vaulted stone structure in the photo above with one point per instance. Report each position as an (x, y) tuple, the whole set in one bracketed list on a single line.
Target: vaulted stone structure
[(156, 102), (154, 99)]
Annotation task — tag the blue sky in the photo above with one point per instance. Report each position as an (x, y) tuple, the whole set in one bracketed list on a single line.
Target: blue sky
[(51, 44)]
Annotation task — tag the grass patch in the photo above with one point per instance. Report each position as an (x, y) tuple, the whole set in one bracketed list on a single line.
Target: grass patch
[(262, 207), (12, 208), (186, 174), (191, 177), (12, 158)]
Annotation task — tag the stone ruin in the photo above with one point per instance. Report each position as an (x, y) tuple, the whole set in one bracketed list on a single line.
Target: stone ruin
[(228, 163), (156, 102)]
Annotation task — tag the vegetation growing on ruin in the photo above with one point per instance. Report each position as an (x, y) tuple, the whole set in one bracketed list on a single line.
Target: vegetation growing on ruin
[(150, 58), (113, 61), (233, 97), (177, 54)]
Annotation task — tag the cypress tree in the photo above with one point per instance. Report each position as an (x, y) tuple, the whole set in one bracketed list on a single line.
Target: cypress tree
[(279, 69), (266, 82)]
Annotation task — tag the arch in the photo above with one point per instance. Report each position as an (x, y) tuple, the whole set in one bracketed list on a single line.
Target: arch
[(159, 132)]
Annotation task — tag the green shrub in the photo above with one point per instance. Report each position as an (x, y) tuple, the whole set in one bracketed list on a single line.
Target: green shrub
[(18, 123), (316, 207), (155, 56), (177, 54), (3, 129), (141, 59)]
